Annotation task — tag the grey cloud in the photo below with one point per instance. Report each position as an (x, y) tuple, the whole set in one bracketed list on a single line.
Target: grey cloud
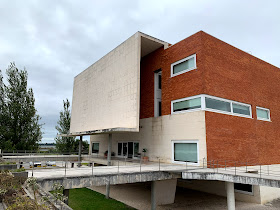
[(56, 40)]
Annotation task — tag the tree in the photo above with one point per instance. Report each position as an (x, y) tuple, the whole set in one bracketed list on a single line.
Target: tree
[(66, 144), (19, 125), (63, 126)]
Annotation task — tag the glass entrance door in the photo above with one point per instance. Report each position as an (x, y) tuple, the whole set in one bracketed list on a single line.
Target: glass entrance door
[(128, 149), (124, 149)]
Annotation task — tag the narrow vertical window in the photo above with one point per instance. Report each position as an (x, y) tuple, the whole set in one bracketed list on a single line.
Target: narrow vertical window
[(157, 95)]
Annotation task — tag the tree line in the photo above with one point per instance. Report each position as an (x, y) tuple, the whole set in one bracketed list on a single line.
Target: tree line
[(20, 127)]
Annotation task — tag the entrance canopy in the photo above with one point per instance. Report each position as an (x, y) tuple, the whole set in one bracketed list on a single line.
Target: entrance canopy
[(106, 96)]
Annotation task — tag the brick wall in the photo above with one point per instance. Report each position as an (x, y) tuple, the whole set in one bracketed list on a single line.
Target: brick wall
[(180, 86), (226, 72), (233, 74)]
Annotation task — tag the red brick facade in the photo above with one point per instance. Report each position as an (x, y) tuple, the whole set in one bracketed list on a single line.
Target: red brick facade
[(227, 72)]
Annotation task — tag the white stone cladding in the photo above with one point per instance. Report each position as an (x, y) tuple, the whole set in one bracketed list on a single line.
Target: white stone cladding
[(106, 94), (157, 134)]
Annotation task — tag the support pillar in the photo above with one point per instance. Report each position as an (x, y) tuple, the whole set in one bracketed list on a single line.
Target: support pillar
[(80, 152), (109, 150), (230, 195), (163, 192), (108, 164), (108, 190), (66, 193)]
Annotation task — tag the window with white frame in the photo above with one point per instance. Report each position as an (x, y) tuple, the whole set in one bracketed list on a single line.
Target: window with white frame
[(241, 109), (263, 114), (95, 147), (184, 151), (184, 65), (182, 105), (213, 104), (217, 104)]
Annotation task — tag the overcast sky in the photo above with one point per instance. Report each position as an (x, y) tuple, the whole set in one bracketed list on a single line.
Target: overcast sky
[(55, 40)]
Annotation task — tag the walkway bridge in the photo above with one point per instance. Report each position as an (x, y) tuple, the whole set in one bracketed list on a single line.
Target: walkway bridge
[(265, 175)]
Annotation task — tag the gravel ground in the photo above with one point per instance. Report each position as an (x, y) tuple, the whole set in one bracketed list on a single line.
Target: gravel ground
[(139, 197)]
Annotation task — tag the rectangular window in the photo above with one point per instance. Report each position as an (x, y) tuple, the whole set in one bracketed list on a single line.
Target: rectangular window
[(95, 147), (241, 109), (159, 81), (263, 113), (184, 65), (243, 188), (186, 152), (217, 104), (159, 108), (120, 149), (187, 104), (136, 149)]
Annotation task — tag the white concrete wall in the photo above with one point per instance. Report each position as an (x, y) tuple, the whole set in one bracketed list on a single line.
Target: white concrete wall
[(156, 135), (269, 193), (106, 94)]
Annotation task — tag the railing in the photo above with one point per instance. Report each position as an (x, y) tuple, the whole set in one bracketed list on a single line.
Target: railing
[(237, 167), (38, 152), (138, 165)]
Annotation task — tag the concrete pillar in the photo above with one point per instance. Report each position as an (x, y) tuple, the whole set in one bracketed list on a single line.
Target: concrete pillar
[(163, 192), (66, 193), (108, 164), (108, 190), (109, 150), (80, 151), (230, 195)]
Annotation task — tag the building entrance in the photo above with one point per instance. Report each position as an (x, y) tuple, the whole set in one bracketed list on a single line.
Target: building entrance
[(128, 149)]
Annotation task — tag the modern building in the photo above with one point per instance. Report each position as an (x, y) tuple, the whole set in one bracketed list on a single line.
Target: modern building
[(198, 100)]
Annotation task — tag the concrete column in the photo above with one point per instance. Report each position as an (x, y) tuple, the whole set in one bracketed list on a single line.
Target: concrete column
[(108, 164), (163, 192), (109, 150), (230, 195), (153, 196), (108, 190), (80, 151), (66, 193)]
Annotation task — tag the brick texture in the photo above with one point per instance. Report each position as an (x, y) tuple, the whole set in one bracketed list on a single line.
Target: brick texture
[(227, 72), (233, 74)]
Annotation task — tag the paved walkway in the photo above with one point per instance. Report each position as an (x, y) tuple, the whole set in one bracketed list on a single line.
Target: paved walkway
[(86, 170), (271, 172)]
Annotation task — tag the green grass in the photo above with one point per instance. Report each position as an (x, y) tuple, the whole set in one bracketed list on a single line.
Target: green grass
[(7, 163), (86, 199), (85, 164), (18, 170)]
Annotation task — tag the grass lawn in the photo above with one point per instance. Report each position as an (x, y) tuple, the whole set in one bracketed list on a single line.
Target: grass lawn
[(85, 199)]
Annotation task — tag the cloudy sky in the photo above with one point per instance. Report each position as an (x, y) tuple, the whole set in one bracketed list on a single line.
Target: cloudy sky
[(57, 39)]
